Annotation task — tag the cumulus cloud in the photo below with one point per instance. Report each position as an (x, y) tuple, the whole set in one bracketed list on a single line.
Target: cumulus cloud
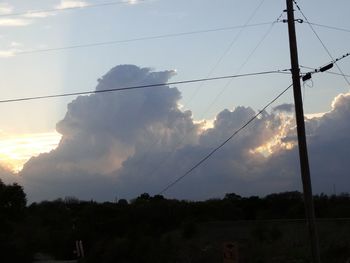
[(235, 168), (123, 144), (99, 132), (329, 140)]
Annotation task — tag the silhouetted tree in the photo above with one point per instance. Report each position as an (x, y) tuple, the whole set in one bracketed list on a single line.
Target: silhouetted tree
[(12, 201), (12, 216)]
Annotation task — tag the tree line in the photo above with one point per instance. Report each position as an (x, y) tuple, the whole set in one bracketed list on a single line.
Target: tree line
[(145, 229)]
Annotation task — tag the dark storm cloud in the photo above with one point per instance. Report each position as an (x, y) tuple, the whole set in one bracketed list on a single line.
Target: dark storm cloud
[(99, 132), (7, 177), (123, 144), (286, 107), (330, 147)]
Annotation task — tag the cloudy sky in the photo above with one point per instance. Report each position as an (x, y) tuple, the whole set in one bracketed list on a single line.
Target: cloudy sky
[(104, 146)]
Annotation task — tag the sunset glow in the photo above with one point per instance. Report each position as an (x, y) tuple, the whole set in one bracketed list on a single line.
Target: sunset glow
[(271, 146), (276, 142), (16, 150)]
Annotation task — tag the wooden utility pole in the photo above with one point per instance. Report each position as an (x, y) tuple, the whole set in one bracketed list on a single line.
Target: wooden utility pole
[(303, 155)]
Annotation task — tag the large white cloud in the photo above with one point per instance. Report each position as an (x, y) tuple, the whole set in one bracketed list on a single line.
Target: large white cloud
[(234, 168), (100, 131), (123, 144), (329, 142)]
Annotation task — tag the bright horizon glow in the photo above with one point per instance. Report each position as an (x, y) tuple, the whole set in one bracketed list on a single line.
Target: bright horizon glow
[(276, 142), (28, 125), (16, 150)]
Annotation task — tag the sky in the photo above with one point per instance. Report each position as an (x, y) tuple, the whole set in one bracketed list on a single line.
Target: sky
[(103, 146)]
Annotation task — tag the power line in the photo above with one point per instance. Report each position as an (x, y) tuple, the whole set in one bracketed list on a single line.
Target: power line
[(167, 157), (234, 40), (223, 55), (245, 62), (223, 143), (226, 51), (340, 58), (112, 42), (324, 68), (248, 57), (329, 27), (54, 10), (144, 86), (229, 47), (241, 67), (322, 43), (329, 72)]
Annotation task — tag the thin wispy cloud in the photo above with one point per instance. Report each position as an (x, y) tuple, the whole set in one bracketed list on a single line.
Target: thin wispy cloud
[(5, 8), (15, 44), (7, 53), (65, 4), (11, 49), (14, 22), (36, 14), (21, 19)]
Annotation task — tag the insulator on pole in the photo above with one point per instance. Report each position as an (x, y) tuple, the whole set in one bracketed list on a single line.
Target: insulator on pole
[(327, 67)]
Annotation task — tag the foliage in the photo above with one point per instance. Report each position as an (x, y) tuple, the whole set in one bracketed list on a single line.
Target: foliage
[(156, 229), (13, 246)]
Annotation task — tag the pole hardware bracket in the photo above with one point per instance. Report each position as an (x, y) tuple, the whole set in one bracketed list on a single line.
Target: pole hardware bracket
[(300, 21)]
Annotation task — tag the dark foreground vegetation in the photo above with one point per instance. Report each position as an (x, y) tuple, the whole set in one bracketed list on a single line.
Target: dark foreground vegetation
[(155, 229)]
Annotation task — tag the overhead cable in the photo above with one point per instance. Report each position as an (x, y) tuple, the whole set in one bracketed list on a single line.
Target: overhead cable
[(229, 47), (167, 156), (211, 71), (330, 27), (322, 43), (224, 88), (324, 68), (143, 86), (83, 6), (113, 42), (329, 72), (212, 152)]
